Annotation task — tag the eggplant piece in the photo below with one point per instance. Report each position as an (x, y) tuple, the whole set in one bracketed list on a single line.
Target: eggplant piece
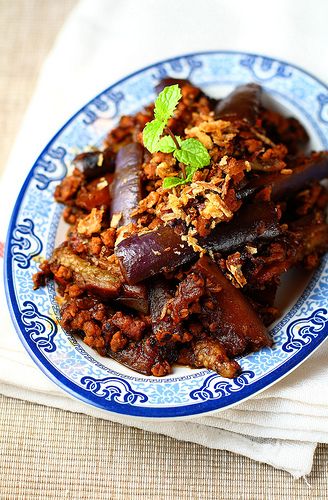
[(243, 103), (93, 195), (253, 222), (165, 82), (162, 250), (95, 163), (103, 283), (285, 130), (135, 297), (164, 328), (284, 185), (126, 186), (107, 284), (311, 235), (210, 353), (187, 297), (145, 255), (146, 357), (307, 238), (264, 295), (232, 316)]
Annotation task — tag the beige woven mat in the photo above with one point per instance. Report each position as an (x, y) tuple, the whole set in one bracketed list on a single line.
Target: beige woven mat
[(27, 31), (50, 454)]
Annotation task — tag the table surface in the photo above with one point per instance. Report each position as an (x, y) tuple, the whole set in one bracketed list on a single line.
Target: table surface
[(49, 453)]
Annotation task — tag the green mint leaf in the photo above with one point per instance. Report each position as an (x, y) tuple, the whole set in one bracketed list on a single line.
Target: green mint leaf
[(193, 153), (167, 145), (165, 105), (166, 102), (151, 134), (170, 182), (190, 173)]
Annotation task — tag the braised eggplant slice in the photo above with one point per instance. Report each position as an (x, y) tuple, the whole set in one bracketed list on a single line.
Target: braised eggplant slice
[(209, 353), (284, 185), (126, 186), (232, 316), (95, 163), (146, 357), (243, 103), (148, 254), (135, 297), (165, 82), (253, 222), (183, 83), (164, 328), (163, 249), (107, 284), (103, 283)]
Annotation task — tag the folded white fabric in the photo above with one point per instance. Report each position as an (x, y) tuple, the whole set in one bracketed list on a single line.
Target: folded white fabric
[(102, 41)]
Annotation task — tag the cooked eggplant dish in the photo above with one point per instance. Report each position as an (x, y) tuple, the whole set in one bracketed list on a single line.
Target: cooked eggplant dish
[(181, 227)]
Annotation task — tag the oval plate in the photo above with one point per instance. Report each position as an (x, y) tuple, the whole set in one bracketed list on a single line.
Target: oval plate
[(36, 227)]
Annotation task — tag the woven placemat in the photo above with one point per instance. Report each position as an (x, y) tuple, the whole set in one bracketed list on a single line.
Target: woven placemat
[(51, 454), (27, 31)]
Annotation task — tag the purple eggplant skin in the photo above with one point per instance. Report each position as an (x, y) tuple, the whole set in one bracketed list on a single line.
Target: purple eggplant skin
[(135, 297), (284, 185), (233, 319), (95, 163), (162, 250), (166, 82), (126, 186), (253, 222), (148, 254), (243, 103)]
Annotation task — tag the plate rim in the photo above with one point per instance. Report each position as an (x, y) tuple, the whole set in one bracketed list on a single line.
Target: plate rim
[(146, 413)]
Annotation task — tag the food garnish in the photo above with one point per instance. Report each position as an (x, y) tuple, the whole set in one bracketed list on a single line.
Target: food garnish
[(191, 153)]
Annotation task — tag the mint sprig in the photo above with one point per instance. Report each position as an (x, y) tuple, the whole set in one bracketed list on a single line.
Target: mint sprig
[(166, 102), (152, 133), (167, 145), (165, 105), (192, 153), (189, 152)]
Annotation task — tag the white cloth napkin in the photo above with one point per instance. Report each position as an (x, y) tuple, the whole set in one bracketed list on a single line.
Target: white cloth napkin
[(102, 41)]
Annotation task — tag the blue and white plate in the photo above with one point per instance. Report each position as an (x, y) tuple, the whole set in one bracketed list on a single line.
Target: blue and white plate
[(36, 227)]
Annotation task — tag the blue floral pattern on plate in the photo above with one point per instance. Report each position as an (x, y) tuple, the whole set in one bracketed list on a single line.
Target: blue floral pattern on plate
[(36, 219)]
